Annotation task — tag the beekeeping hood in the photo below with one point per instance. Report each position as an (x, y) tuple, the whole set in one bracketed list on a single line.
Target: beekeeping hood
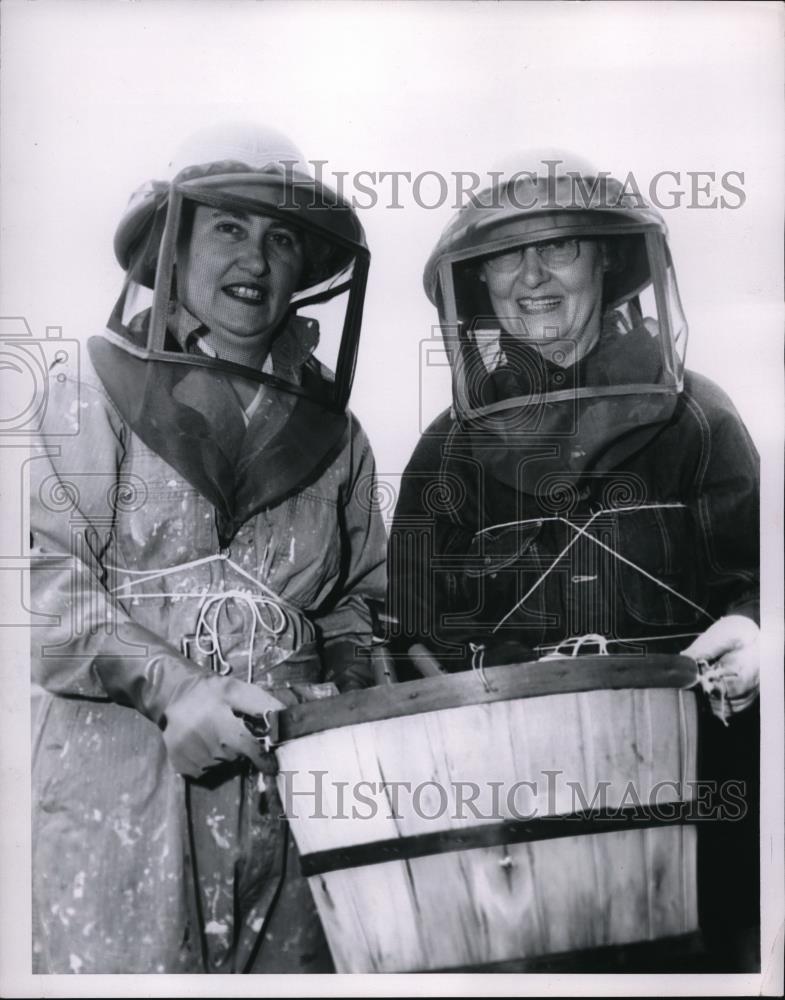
[(530, 411), (245, 429)]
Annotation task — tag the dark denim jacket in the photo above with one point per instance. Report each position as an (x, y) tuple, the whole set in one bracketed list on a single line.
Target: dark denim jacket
[(652, 550)]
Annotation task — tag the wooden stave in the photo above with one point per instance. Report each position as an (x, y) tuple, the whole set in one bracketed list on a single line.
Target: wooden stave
[(521, 933), (375, 961), (500, 683)]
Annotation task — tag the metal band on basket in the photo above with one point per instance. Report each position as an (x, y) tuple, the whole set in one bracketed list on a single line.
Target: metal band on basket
[(509, 831), (597, 859)]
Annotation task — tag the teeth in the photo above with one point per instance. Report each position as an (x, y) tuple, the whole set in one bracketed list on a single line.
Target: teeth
[(538, 305), (244, 292)]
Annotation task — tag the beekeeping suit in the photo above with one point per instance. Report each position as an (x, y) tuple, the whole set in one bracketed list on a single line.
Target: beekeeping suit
[(203, 549)]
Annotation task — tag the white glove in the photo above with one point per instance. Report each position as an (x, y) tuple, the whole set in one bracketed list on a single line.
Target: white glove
[(202, 730), (731, 647)]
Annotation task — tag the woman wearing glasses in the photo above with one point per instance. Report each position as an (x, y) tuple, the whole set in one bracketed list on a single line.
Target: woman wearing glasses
[(584, 490), (547, 297)]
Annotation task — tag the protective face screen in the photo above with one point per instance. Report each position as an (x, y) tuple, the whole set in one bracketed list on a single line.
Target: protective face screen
[(236, 368), (563, 318), (254, 290)]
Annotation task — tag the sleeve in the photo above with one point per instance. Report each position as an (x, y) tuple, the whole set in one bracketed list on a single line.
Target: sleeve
[(86, 644), (344, 624), (431, 537), (728, 510)]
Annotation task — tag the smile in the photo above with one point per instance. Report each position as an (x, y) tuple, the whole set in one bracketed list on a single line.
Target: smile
[(536, 306), (253, 294)]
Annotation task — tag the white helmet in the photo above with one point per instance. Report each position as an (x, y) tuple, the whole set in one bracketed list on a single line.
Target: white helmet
[(528, 362), (170, 355)]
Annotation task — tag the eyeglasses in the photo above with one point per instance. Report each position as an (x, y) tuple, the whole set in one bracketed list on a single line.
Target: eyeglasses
[(552, 253)]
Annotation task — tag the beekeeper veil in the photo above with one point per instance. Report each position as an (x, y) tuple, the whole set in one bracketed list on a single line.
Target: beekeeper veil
[(561, 317), (232, 347)]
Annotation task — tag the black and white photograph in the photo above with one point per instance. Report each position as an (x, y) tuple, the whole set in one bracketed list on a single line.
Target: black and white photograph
[(392, 431)]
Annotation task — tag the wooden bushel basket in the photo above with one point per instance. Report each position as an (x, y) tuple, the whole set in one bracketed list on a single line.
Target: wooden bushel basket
[(582, 846)]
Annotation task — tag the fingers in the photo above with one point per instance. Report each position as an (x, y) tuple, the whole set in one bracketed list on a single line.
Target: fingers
[(734, 632), (739, 667), (186, 762), (730, 646), (250, 699), (710, 645), (237, 741), (195, 765), (202, 730), (183, 766), (222, 738)]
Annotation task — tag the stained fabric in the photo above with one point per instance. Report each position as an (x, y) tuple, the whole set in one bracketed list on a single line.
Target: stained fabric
[(189, 415), (135, 868)]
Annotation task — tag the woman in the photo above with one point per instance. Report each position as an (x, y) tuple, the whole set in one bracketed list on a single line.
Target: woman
[(204, 549), (583, 491)]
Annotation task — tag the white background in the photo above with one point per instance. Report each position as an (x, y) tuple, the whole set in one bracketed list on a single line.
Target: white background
[(95, 96)]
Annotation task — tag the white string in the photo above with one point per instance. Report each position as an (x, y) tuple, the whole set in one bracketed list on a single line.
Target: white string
[(575, 643), (649, 576), (714, 682), (605, 510), (478, 656), (712, 679), (583, 532), (552, 566), (146, 574), (512, 524), (207, 636), (209, 628), (631, 639)]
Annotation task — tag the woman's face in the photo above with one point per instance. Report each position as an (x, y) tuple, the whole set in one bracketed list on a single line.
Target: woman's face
[(238, 271), (555, 307)]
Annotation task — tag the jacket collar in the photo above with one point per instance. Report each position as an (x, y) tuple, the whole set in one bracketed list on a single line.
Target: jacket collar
[(290, 350)]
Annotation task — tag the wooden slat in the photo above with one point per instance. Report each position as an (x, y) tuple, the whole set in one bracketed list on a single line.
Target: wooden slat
[(517, 680), (507, 742), (466, 908), (512, 900), (495, 835)]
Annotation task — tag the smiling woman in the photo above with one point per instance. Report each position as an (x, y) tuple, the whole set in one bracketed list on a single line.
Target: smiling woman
[(584, 490), (204, 545), (238, 273), (549, 294)]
